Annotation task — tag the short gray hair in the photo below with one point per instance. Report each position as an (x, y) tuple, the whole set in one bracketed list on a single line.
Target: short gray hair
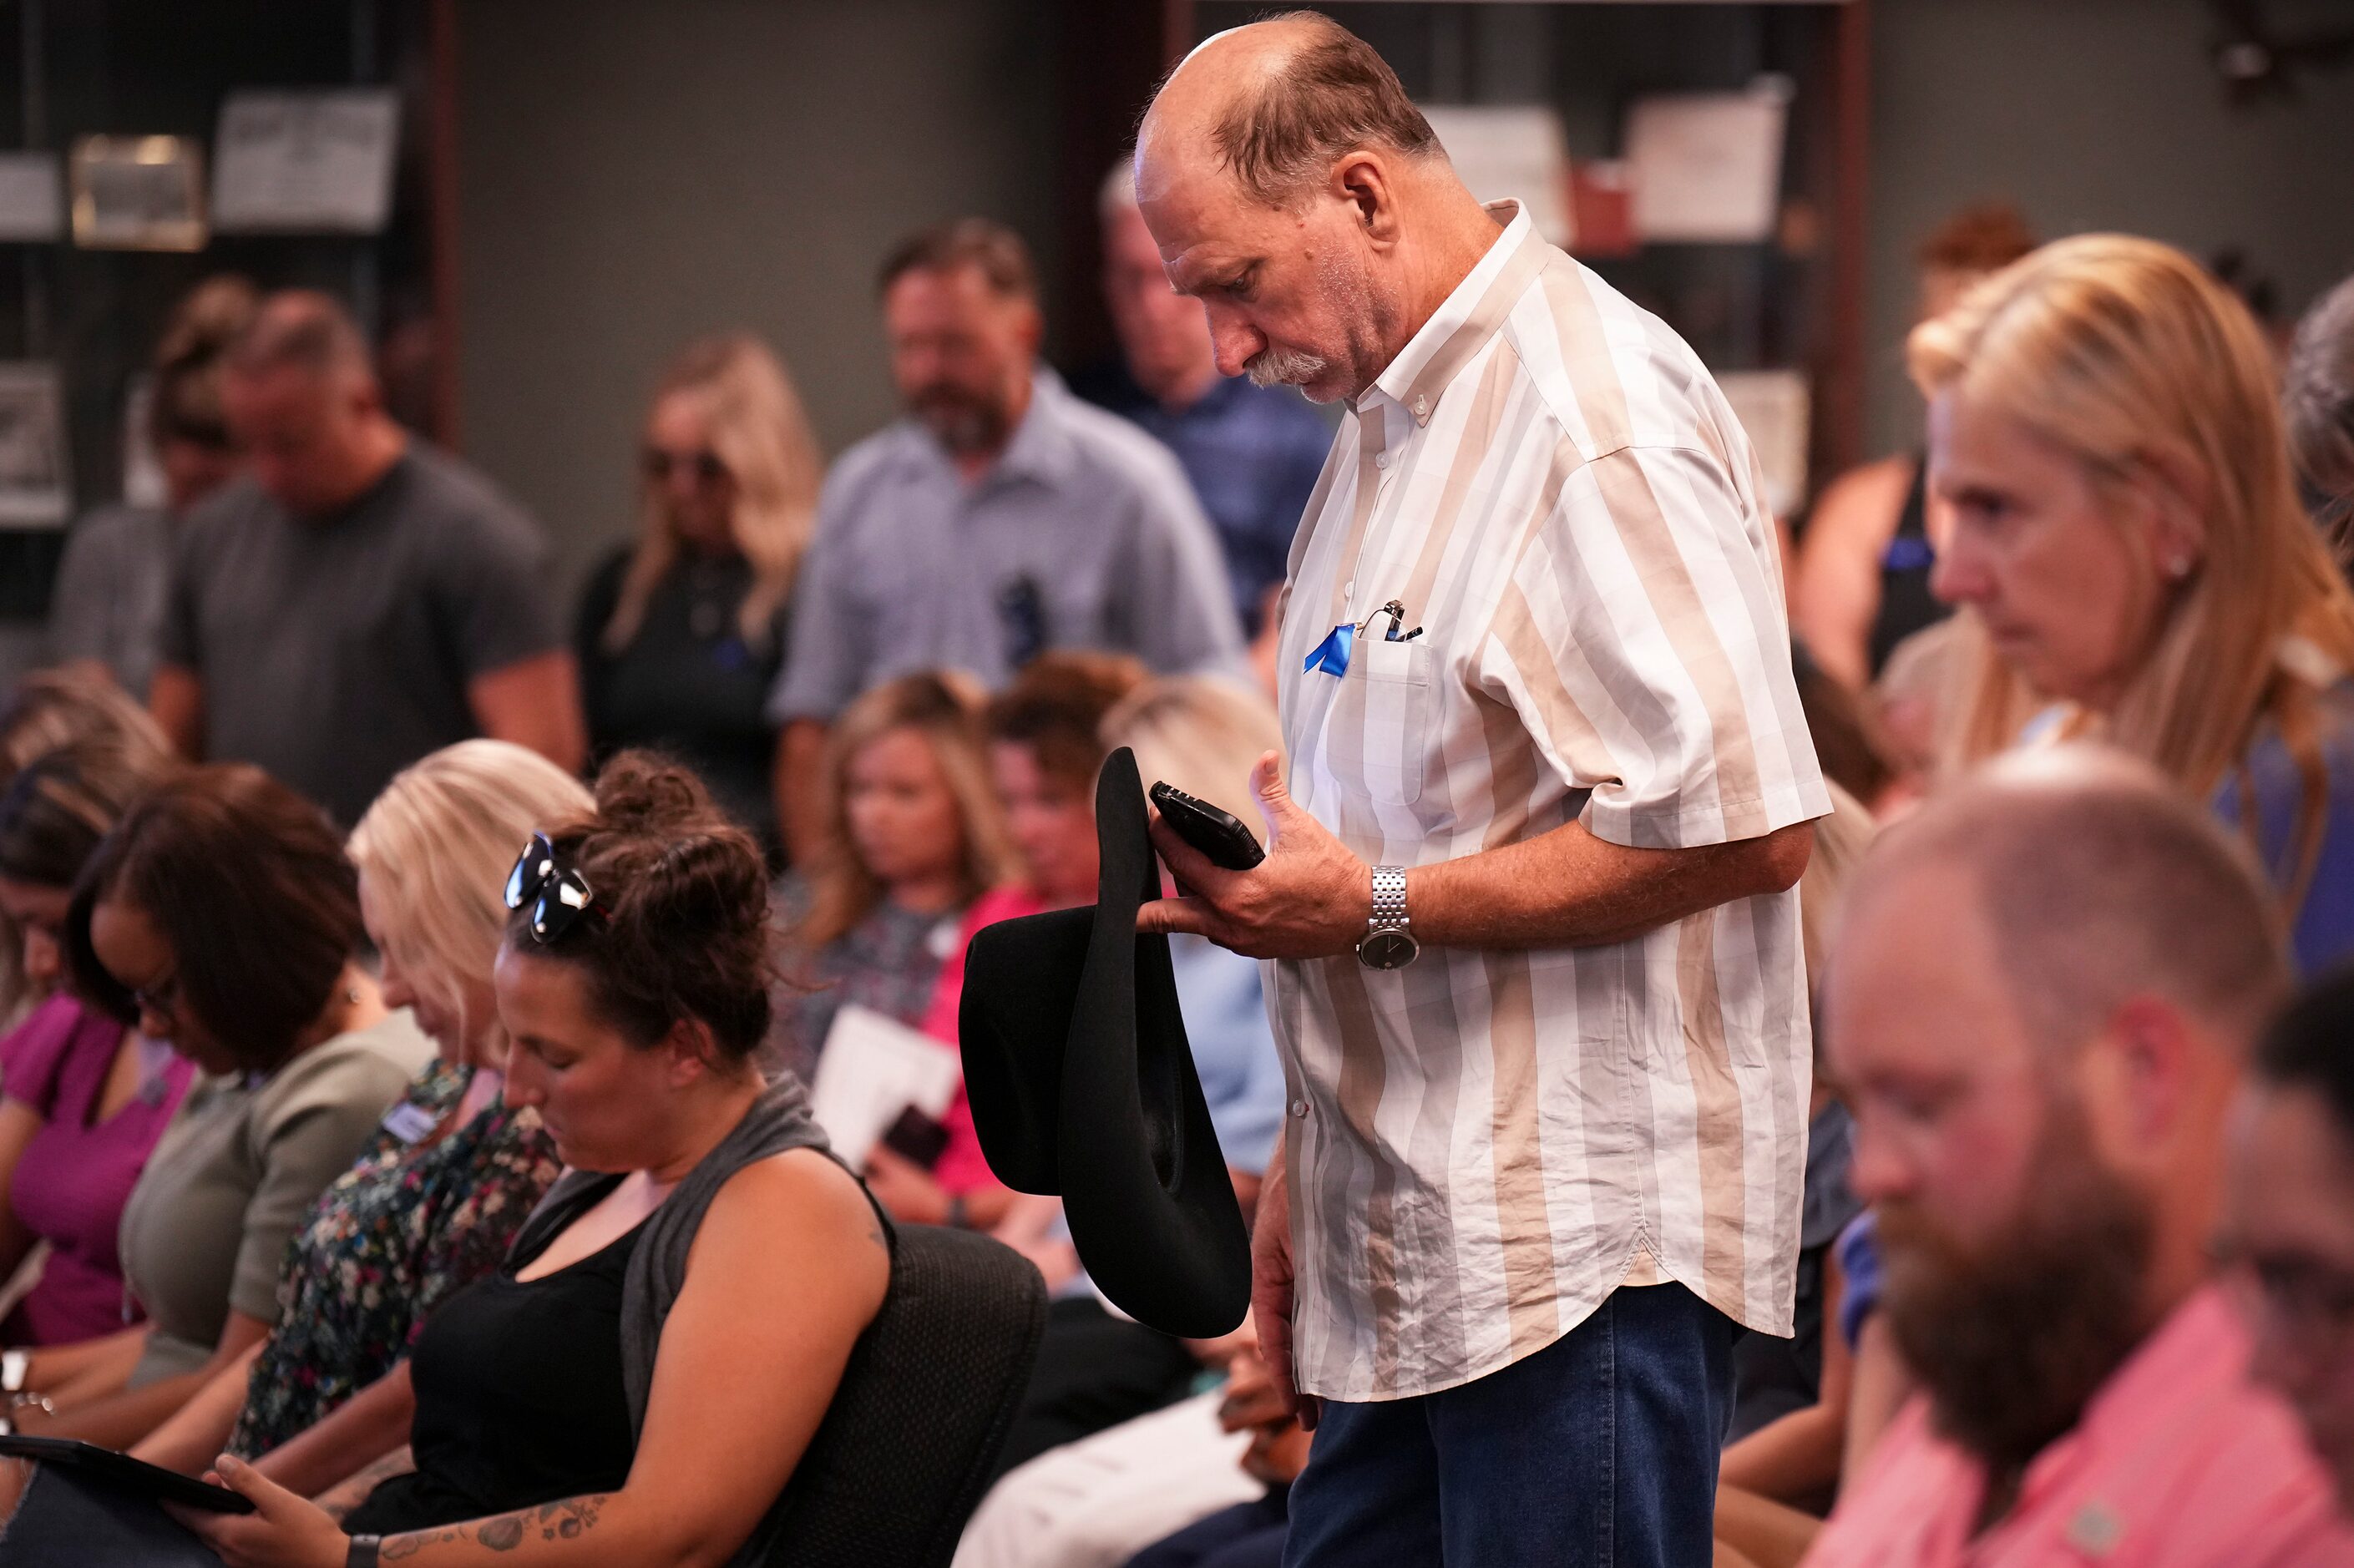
[(2318, 396), (1330, 96)]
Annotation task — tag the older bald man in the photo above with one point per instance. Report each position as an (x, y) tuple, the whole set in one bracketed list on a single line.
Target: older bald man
[(1537, 973)]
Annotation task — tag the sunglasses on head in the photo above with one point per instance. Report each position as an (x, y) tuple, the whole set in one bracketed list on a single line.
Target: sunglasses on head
[(558, 896), (705, 467)]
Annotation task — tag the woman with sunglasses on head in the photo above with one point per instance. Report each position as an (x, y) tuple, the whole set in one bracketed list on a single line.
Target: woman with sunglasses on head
[(440, 1194), (682, 633), (2128, 545), (638, 1383), (221, 917), (82, 1097)]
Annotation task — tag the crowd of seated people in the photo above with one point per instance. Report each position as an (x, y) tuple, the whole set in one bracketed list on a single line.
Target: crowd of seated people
[(408, 1011)]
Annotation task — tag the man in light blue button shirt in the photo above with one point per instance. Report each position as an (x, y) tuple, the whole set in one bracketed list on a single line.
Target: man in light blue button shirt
[(1000, 518)]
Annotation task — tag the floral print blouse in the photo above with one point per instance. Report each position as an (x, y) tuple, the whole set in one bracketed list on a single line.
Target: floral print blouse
[(393, 1238)]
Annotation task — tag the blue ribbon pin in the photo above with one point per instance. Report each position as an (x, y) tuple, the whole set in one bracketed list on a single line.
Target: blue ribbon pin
[(1332, 655)]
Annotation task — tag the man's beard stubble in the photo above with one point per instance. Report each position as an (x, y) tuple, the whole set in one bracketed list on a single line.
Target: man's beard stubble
[(964, 423), (2012, 1344), (1347, 298)]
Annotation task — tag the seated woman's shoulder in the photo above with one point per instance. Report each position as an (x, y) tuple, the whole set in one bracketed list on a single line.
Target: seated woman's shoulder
[(804, 1201)]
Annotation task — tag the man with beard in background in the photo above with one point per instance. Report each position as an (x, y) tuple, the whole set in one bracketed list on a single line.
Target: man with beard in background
[(2039, 999), (1000, 518)]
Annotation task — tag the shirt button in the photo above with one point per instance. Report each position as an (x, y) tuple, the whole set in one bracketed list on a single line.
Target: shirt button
[(1381, 459), (1299, 1107), (1422, 409)]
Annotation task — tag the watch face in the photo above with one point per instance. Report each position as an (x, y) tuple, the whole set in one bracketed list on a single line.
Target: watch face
[(1388, 950)]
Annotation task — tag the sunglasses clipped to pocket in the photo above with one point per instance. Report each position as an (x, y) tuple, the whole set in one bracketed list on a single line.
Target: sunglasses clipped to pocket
[(558, 896)]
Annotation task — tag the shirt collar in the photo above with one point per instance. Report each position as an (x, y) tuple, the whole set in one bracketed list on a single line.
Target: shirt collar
[(1466, 320), (2200, 1348)]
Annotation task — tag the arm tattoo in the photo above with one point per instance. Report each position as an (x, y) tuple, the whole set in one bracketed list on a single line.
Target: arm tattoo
[(566, 1520)]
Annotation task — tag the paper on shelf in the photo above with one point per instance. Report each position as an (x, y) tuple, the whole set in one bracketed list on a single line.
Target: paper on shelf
[(32, 197), (1708, 166), (316, 161), (1775, 408), (1516, 152)]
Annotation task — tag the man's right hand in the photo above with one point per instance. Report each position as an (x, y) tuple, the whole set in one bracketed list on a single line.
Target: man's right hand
[(1271, 1279)]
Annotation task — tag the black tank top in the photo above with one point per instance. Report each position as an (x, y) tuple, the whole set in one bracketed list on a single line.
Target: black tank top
[(1906, 605), (519, 1394)]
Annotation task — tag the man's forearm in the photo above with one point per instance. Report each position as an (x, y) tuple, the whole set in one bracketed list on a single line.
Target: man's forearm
[(1567, 889)]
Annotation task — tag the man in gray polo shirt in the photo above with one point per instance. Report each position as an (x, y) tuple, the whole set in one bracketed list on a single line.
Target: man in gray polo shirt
[(358, 599), (1002, 517)]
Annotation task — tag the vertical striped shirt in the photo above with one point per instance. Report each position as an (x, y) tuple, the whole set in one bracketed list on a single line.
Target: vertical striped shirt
[(1483, 1145)]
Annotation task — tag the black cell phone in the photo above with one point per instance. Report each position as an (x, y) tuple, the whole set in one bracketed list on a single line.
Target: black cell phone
[(1223, 841), (132, 1475)]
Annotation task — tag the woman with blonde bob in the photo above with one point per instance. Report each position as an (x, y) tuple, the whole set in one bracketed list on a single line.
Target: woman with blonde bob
[(913, 835), (434, 1202), (2129, 542), (682, 634)]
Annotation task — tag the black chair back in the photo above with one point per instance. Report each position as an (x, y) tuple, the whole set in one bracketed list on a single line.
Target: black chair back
[(925, 1405)]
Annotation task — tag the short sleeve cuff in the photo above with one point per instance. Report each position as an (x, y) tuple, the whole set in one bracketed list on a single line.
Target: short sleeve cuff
[(1669, 825)]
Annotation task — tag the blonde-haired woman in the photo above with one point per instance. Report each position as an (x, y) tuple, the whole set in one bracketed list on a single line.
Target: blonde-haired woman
[(913, 835), (682, 633), (433, 1203), (2129, 541)]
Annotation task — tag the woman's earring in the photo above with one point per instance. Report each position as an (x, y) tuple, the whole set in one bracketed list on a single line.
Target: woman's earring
[(2178, 567)]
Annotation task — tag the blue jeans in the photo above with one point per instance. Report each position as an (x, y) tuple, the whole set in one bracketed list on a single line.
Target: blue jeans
[(1599, 1451)]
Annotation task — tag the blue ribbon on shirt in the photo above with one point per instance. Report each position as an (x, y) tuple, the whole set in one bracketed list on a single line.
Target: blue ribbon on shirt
[(1332, 655)]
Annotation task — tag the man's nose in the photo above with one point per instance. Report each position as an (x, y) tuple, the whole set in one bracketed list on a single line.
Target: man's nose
[(1876, 1172), (1235, 341)]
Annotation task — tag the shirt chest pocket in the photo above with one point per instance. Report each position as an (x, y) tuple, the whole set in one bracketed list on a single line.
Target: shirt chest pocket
[(1378, 733)]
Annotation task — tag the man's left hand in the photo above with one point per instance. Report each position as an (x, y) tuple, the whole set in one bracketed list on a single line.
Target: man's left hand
[(1309, 898)]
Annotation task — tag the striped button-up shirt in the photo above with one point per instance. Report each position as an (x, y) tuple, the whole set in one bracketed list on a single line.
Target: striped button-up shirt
[(1483, 1145)]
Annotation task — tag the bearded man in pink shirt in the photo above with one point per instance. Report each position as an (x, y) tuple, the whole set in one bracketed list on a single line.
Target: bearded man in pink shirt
[(2041, 993)]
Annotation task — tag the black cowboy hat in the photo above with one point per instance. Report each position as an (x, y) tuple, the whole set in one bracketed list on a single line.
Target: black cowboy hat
[(1082, 1084)]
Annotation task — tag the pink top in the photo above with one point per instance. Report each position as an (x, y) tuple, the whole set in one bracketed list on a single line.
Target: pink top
[(70, 1186), (961, 1169), (2179, 1462)]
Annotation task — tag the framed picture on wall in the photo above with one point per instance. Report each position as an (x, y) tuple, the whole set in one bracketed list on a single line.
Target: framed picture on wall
[(318, 162), (34, 492), (138, 192)]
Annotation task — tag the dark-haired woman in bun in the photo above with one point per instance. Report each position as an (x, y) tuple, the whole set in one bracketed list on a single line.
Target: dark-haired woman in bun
[(638, 1383)]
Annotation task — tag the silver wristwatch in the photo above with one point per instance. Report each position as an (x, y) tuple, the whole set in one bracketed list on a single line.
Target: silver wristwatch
[(1388, 944)]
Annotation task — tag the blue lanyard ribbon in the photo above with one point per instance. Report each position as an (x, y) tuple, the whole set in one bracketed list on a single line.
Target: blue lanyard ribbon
[(1332, 655)]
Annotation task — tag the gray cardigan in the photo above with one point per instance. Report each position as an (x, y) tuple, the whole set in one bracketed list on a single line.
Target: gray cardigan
[(779, 1120)]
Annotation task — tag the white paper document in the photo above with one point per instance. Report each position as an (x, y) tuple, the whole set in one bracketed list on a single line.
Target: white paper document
[(1774, 406), (316, 161), (1708, 166), (871, 1070), (1519, 152)]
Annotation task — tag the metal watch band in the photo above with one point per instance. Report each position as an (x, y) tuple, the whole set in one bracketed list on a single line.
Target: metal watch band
[(364, 1551), (1389, 899)]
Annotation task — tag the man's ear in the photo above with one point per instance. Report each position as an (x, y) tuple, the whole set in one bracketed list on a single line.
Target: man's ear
[(2150, 1061), (1362, 179), (1030, 324)]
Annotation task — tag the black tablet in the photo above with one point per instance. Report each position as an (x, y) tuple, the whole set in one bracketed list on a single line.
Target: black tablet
[(122, 1470)]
